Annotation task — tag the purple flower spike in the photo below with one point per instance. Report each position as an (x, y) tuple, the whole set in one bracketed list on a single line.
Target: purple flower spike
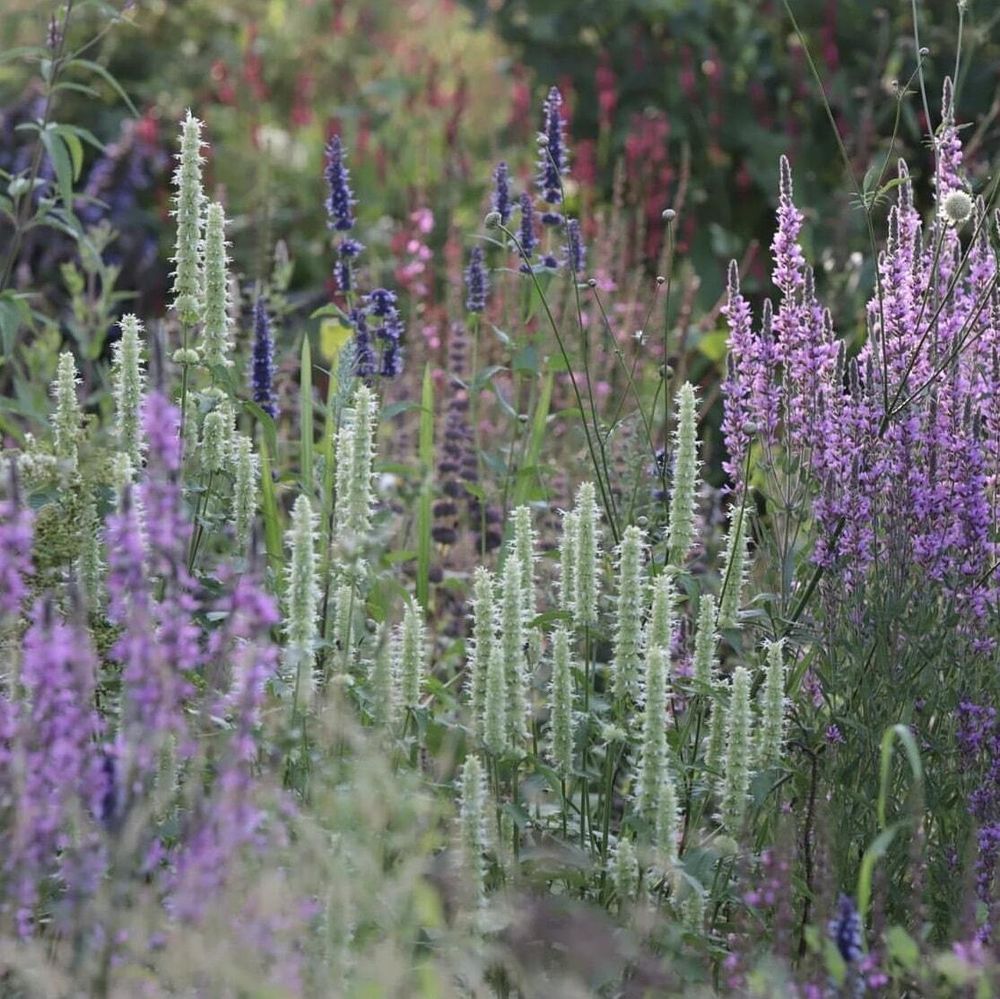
[(340, 203), (262, 366)]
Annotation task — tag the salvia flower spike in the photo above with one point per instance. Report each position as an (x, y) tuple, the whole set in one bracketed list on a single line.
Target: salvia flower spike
[(127, 382), (632, 597), (217, 338), (262, 361), (302, 601), (682, 492), (561, 720), (189, 201), (736, 776), (477, 284)]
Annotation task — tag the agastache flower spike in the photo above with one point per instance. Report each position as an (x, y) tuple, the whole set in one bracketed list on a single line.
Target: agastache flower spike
[(512, 640), (625, 871), (660, 627), (246, 472), (715, 745), (632, 598), (340, 202), (734, 566), (355, 457), (561, 705), (472, 817), (552, 155), (736, 774), (653, 748), (189, 209), (523, 550), (217, 340), (383, 687), (476, 281), (500, 201), (412, 655), (344, 604), (302, 601), (569, 543), (772, 707), (682, 493), (705, 642), (67, 419), (587, 556), (127, 384), (667, 821), (262, 364), (494, 722), (90, 564), (217, 439), (483, 641)]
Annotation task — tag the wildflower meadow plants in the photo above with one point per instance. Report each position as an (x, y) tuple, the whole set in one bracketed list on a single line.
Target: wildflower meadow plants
[(305, 693)]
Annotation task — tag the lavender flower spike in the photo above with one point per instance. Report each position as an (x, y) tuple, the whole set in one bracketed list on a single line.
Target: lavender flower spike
[(262, 363), (340, 203), (476, 282)]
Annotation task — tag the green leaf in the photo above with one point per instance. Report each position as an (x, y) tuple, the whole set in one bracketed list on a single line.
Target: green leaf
[(97, 69), (905, 736), (61, 162), (269, 507), (902, 948)]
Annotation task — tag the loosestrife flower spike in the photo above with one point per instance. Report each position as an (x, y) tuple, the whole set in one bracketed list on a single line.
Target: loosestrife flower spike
[(68, 416), (653, 746), (568, 545), (512, 641), (736, 775), (189, 201), (625, 871), (587, 556), (246, 475), (734, 566), (302, 598), (477, 283), (262, 363), (772, 727), (632, 596), (412, 655), (127, 385), (523, 550), (483, 641), (705, 642), (472, 817), (217, 339), (682, 493), (561, 705), (16, 544)]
